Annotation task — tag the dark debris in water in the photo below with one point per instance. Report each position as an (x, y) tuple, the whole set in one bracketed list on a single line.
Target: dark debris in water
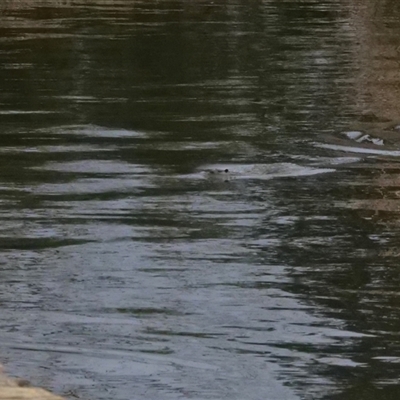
[(143, 311)]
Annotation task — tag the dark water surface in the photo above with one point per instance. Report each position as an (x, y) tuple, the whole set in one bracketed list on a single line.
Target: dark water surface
[(132, 266)]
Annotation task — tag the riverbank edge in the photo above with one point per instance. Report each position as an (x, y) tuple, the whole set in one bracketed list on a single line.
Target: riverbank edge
[(20, 389)]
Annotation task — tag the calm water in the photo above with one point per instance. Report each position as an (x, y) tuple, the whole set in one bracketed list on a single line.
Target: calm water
[(132, 266)]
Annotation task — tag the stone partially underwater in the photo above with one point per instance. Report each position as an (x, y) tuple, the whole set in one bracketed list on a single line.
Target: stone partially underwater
[(20, 389), (371, 136)]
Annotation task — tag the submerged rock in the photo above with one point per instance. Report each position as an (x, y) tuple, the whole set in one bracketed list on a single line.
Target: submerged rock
[(361, 137), (369, 134)]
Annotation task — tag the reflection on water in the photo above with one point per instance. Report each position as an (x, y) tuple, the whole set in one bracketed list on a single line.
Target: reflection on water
[(175, 222)]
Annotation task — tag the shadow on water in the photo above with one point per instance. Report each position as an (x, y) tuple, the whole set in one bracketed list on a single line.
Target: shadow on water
[(175, 222)]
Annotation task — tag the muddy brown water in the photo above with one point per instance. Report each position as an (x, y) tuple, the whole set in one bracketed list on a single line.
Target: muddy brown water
[(132, 266)]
